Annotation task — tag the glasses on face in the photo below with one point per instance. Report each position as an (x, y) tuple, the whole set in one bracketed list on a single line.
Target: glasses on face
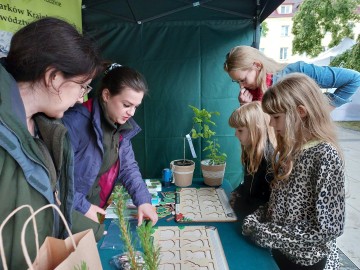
[(241, 81), (85, 89)]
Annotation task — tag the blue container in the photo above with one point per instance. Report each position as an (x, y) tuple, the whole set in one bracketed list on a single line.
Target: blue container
[(166, 177)]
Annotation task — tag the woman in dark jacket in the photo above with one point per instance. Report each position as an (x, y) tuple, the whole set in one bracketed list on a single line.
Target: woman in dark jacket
[(47, 70), (101, 130)]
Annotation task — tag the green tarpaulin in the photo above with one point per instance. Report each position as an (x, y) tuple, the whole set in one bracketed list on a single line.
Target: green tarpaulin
[(180, 47)]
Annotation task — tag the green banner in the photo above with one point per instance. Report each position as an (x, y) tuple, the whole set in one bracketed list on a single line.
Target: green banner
[(15, 14)]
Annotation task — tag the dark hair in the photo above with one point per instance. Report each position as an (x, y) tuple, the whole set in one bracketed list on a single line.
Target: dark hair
[(118, 77), (51, 42)]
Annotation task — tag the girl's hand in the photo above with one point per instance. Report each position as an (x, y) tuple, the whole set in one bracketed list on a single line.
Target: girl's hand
[(244, 96), (149, 211), (93, 211), (249, 225)]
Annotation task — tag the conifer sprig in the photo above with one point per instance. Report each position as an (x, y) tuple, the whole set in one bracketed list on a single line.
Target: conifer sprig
[(151, 252), (119, 197)]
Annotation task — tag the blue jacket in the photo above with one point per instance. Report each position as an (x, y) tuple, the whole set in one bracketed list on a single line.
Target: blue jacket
[(86, 136), (346, 81)]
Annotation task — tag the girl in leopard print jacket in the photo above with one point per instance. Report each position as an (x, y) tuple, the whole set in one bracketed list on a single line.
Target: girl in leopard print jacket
[(306, 209), (257, 138)]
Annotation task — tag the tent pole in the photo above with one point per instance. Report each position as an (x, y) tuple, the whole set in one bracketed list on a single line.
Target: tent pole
[(112, 14), (256, 35), (131, 10), (242, 15), (95, 4), (195, 4), (262, 11)]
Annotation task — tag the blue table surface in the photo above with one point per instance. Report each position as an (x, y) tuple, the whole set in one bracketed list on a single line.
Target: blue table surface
[(240, 253)]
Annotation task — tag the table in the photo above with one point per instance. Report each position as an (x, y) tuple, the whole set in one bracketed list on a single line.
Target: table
[(240, 253)]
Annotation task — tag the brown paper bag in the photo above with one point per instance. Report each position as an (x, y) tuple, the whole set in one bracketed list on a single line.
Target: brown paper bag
[(65, 254), (2, 250)]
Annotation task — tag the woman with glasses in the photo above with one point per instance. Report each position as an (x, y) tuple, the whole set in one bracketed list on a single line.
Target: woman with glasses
[(47, 70), (101, 130), (255, 72)]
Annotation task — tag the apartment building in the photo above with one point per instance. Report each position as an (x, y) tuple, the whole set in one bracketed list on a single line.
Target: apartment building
[(277, 43)]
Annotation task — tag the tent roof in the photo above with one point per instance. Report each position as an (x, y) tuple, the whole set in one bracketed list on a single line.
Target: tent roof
[(143, 11)]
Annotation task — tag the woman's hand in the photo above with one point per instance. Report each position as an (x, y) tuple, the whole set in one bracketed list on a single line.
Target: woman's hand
[(93, 211), (149, 211), (244, 96)]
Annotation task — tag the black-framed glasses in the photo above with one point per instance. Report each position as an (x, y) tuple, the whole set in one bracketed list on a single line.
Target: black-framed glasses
[(241, 81), (86, 89), (238, 81)]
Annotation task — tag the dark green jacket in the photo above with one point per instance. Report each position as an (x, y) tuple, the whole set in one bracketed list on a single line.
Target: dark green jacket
[(31, 170)]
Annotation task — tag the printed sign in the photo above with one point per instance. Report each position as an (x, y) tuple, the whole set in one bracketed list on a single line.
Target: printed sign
[(15, 14)]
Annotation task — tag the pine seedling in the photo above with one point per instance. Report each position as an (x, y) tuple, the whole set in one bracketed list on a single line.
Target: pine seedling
[(151, 252), (119, 198), (83, 266)]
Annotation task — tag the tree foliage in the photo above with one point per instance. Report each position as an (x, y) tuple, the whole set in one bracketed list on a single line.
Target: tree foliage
[(264, 29), (349, 59), (316, 18)]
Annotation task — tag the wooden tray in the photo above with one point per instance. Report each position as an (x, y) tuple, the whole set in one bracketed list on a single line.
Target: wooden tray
[(190, 247), (203, 205)]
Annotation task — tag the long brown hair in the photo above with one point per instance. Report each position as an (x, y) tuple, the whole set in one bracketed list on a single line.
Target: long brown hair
[(251, 116), (286, 96)]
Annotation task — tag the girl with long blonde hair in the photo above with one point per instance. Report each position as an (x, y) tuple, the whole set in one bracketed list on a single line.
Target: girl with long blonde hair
[(307, 202), (257, 140)]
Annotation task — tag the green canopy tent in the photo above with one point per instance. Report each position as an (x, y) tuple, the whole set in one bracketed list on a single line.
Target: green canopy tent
[(180, 47)]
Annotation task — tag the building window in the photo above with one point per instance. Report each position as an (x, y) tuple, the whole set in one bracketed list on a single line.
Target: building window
[(285, 9), (283, 53), (284, 30)]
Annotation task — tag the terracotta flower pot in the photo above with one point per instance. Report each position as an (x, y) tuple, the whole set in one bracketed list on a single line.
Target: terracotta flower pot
[(213, 174)]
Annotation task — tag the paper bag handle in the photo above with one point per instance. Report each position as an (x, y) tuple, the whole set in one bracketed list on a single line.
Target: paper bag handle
[(23, 244), (2, 251)]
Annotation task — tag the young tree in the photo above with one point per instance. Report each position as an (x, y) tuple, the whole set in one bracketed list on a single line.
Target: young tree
[(264, 29), (316, 18)]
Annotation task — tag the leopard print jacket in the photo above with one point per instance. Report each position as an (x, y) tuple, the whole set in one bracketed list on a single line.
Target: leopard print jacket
[(306, 213)]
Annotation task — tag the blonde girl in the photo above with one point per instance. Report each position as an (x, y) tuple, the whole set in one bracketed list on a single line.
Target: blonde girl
[(256, 137), (255, 73), (305, 213)]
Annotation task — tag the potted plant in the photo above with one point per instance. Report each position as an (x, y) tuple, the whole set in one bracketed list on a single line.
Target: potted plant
[(213, 168), (149, 259), (182, 170)]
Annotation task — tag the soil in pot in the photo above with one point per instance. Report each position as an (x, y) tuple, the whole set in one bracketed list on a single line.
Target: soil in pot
[(183, 162)]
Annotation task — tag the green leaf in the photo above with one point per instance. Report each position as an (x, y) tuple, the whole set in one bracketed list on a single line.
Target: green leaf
[(83, 266), (202, 129)]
